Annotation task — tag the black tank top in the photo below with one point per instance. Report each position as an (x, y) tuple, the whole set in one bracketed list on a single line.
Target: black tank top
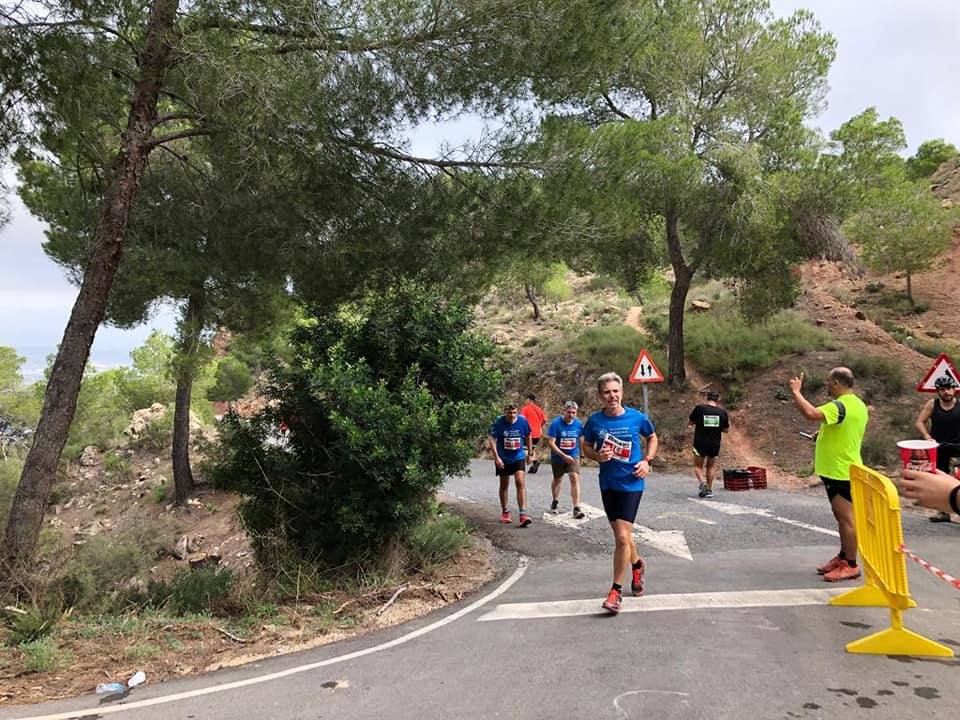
[(945, 424)]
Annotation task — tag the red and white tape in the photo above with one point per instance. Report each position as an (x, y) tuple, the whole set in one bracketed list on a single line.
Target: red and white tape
[(932, 568)]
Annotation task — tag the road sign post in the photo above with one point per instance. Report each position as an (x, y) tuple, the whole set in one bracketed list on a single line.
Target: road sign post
[(645, 372)]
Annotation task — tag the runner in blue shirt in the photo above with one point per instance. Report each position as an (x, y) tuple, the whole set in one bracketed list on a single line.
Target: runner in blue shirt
[(564, 440), (612, 437), (510, 442)]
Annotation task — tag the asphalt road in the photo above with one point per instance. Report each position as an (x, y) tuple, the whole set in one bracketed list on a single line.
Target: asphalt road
[(734, 624)]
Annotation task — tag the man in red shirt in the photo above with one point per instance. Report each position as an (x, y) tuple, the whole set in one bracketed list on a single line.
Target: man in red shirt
[(537, 419)]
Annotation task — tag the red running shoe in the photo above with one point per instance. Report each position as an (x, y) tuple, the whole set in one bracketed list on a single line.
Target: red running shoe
[(835, 562), (844, 572), (613, 601), (636, 582), (505, 517), (525, 520)]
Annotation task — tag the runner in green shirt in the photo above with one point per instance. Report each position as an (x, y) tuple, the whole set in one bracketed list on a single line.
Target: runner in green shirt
[(843, 422)]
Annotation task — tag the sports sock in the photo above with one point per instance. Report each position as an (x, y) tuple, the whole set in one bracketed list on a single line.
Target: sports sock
[(841, 555), (618, 588), (638, 564)]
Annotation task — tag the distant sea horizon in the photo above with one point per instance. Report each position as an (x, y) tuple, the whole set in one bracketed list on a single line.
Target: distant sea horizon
[(36, 359)]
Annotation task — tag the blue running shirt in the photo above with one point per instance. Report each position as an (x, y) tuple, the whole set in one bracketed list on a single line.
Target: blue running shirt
[(511, 439), (623, 434), (566, 436)]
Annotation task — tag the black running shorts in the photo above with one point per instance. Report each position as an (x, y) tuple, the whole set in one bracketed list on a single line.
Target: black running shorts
[(837, 487), (510, 468), (621, 504), (707, 450)]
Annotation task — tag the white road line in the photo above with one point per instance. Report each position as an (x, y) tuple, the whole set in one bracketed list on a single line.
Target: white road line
[(671, 542), (732, 509), (656, 603), (127, 707)]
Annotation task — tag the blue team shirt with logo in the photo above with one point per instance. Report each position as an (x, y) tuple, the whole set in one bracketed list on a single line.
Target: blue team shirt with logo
[(623, 434), (511, 439), (566, 436)]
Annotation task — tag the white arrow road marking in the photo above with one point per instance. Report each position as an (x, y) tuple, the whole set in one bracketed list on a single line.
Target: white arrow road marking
[(566, 519), (656, 603), (671, 542), (732, 509)]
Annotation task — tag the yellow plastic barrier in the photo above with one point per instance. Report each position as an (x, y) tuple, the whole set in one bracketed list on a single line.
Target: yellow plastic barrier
[(876, 506)]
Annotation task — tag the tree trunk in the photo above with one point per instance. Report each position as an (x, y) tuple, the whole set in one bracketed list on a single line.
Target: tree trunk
[(532, 297), (683, 275), (60, 398), (910, 290), (186, 372)]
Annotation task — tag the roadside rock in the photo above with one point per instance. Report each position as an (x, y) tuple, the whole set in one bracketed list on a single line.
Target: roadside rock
[(90, 456), (142, 419)]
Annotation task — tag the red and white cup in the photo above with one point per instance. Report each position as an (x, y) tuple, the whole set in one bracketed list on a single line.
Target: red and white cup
[(918, 454)]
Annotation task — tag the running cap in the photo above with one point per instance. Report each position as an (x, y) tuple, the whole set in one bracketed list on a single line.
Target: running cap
[(945, 382)]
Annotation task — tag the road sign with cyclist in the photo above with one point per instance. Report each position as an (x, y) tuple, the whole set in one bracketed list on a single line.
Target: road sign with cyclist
[(942, 367)]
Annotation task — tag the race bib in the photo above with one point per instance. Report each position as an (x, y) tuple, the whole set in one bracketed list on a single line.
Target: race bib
[(567, 443), (711, 421), (511, 443), (621, 448)]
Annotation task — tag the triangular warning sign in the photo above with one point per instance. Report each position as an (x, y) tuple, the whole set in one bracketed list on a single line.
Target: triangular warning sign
[(644, 371), (942, 367)]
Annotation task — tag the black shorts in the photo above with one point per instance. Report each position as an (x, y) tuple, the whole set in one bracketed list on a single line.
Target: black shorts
[(837, 487), (510, 468), (706, 450), (535, 441), (621, 504), (945, 452)]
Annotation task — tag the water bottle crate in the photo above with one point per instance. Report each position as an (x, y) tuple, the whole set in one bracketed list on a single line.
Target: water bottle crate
[(749, 478)]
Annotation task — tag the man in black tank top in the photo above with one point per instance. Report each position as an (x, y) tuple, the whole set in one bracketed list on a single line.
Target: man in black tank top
[(943, 412)]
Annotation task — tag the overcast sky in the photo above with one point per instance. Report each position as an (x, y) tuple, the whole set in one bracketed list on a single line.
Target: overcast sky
[(900, 56)]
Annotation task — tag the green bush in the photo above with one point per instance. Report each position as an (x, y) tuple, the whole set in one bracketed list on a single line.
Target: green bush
[(879, 448), (232, 379), (437, 540), (556, 288), (608, 347), (159, 493), (33, 623), (120, 464), (10, 470), (102, 414), (94, 577), (722, 343), (150, 379), (733, 396), (602, 282), (44, 656), (194, 591), (882, 373), (385, 398)]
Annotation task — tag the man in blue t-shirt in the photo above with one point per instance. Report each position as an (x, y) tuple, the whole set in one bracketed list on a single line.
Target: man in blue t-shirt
[(563, 436), (511, 442), (612, 437)]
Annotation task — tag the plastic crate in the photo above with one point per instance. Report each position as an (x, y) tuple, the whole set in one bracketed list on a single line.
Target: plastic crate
[(749, 478)]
